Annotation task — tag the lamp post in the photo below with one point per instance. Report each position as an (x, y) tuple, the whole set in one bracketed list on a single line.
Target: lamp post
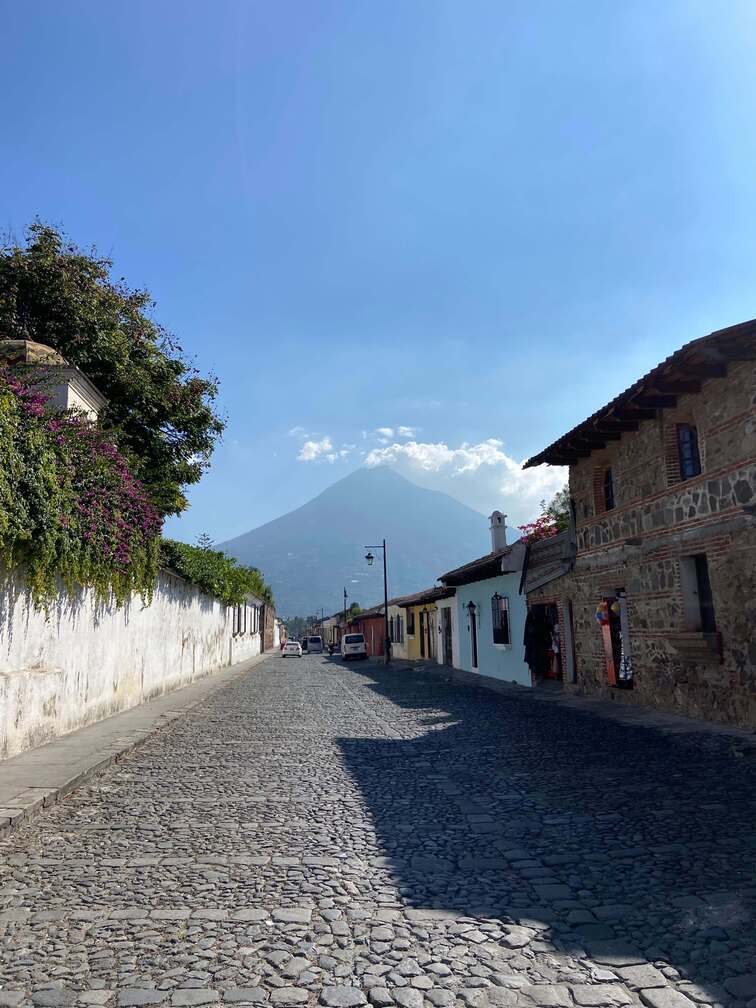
[(345, 609), (370, 558)]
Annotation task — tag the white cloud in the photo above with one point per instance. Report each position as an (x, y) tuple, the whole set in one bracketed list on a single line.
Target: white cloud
[(323, 451), (297, 432), (481, 475), (387, 432), (312, 450), (407, 432)]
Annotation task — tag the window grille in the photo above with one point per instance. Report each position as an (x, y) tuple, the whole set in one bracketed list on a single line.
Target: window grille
[(500, 620)]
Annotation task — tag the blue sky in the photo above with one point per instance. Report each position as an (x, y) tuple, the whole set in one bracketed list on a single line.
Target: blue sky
[(476, 221)]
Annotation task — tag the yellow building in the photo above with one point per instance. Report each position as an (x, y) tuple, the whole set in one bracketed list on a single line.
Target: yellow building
[(421, 628)]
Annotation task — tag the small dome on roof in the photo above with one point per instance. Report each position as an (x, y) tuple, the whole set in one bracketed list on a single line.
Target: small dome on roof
[(17, 351)]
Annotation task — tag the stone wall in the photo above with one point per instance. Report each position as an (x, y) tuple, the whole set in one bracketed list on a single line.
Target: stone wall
[(86, 661), (658, 519)]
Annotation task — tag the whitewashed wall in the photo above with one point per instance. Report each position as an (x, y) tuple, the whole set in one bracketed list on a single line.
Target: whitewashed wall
[(86, 661)]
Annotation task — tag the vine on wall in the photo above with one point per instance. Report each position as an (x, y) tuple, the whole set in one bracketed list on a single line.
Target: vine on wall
[(70, 508), (214, 572)]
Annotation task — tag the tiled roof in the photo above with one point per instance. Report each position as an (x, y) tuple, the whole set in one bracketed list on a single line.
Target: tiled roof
[(501, 561), (428, 595), (682, 372)]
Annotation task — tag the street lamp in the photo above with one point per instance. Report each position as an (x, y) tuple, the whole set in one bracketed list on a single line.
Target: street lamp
[(370, 558)]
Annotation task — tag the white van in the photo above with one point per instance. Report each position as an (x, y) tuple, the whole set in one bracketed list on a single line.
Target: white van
[(353, 646), (314, 645)]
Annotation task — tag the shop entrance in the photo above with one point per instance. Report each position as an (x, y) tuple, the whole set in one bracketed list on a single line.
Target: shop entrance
[(543, 646), (613, 619)]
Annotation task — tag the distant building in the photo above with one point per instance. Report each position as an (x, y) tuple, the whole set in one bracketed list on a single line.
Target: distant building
[(66, 386), (657, 589)]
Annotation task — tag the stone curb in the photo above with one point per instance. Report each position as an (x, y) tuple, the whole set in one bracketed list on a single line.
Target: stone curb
[(31, 799), (743, 739)]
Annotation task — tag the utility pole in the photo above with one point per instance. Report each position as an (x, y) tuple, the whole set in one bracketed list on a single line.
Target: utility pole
[(345, 609)]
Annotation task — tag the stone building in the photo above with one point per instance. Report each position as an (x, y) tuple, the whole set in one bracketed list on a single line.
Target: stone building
[(655, 596)]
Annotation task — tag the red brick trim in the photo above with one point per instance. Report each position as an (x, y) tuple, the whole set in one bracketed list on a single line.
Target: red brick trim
[(701, 479)]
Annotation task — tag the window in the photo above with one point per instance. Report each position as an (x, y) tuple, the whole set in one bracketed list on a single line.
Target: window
[(608, 490), (410, 621), (500, 619), (698, 601), (687, 450)]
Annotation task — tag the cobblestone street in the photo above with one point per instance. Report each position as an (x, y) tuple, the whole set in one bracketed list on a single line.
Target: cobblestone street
[(320, 834)]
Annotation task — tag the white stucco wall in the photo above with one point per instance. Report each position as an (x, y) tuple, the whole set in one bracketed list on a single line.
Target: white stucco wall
[(399, 648), (86, 661)]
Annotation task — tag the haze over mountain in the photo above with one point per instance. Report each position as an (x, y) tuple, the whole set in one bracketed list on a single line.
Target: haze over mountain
[(310, 555)]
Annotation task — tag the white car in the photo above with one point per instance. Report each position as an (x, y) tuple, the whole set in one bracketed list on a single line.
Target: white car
[(292, 647), (353, 646), (314, 645)]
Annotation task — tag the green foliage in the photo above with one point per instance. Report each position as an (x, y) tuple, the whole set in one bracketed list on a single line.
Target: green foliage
[(558, 509), (554, 518), (160, 409), (214, 572), (354, 610), (70, 510)]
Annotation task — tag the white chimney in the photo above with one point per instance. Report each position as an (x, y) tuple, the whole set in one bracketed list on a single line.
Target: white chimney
[(498, 531)]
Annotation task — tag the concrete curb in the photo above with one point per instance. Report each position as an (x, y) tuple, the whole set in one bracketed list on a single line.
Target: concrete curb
[(37, 778)]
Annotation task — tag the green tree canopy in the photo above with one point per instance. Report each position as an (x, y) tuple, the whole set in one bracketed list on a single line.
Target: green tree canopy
[(160, 409)]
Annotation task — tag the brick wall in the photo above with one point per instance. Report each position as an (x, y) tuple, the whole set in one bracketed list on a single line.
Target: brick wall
[(637, 546)]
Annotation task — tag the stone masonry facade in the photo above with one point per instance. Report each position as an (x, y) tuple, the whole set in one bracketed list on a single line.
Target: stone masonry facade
[(639, 546)]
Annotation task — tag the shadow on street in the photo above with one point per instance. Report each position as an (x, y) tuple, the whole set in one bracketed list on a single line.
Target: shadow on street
[(617, 843)]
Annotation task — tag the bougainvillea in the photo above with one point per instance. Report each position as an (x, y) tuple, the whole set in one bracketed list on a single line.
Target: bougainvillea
[(71, 511), (554, 518)]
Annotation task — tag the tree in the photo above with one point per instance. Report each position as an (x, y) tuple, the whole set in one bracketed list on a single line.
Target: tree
[(554, 518), (160, 409)]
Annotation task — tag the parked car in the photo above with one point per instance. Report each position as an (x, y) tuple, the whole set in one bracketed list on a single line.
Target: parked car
[(292, 647), (315, 645), (353, 646)]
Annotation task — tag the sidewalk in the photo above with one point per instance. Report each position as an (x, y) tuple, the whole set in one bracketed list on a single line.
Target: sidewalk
[(743, 740), (46, 774)]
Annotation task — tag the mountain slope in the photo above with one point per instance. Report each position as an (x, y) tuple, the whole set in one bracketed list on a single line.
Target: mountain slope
[(309, 555)]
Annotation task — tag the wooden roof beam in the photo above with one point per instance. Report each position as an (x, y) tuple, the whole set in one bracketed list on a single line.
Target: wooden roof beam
[(724, 352), (607, 435), (711, 370), (634, 413), (677, 386), (655, 401), (607, 425)]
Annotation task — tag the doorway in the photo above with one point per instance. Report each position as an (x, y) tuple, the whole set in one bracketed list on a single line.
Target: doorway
[(543, 644), (613, 619), (446, 626), (474, 637)]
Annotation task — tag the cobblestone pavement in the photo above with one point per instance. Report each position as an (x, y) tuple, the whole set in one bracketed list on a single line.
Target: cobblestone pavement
[(345, 835)]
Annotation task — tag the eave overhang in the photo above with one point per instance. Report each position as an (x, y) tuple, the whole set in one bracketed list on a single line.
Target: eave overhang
[(680, 374)]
